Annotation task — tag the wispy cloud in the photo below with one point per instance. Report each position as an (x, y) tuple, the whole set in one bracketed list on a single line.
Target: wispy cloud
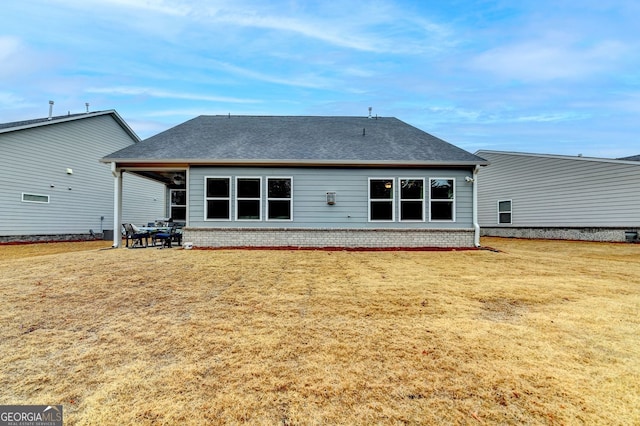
[(308, 79), (8, 47), (166, 7), (156, 93), (459, 114), (376, 27), (387, 31), (549, 117), (17, 59), (10, 100), (554, 56), (478, 71)]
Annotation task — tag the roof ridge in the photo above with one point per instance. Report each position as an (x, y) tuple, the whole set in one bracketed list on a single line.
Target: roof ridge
[(20, 123), (293, 116)]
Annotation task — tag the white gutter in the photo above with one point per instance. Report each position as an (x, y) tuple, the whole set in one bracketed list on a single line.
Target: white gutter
[(182, 162), (476, 225)]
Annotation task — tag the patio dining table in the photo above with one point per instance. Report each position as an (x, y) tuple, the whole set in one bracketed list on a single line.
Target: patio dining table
[(153, 230)]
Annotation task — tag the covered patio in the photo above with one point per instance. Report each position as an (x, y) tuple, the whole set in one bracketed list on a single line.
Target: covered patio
[(175, 182)]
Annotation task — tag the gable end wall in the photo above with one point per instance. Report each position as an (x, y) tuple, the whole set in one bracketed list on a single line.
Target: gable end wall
[(36, 160)]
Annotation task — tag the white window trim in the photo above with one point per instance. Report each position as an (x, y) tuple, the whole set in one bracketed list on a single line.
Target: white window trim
[(35, 195), (259, 199), (266, 189), (217, 198), (393, 200), (510, 212), (424, 189), (453, 206)]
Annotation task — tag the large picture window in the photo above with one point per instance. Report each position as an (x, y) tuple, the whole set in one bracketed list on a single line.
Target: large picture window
[(442, 206), (411, 199), (504, 211), (381, 199), (248, 198), (217, 203), (279, 192)]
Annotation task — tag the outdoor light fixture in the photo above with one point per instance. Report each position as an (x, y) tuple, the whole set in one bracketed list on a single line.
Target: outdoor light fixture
[(331, 198), (178, 179)]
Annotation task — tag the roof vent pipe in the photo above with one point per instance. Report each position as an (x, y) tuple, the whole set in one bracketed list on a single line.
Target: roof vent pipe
[(87, 105), (370, 112), (50, 109)]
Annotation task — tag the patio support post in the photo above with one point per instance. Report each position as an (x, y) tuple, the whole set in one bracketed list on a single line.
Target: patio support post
[(117, 205), (476, 225)]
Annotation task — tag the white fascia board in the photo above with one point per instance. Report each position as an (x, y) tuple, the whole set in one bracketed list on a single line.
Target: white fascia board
[(295, 163)]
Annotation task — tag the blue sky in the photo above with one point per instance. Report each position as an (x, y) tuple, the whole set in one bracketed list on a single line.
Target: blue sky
[(542, 76)]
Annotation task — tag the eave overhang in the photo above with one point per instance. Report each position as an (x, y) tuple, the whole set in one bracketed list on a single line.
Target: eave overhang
[(137, 162)]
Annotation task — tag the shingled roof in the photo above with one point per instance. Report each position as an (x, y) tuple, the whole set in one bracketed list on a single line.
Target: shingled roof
[(35, 121), (294, 140), (38, 122), (632, 158)]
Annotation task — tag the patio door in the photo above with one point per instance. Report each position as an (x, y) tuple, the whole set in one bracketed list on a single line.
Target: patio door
[(178, 207)]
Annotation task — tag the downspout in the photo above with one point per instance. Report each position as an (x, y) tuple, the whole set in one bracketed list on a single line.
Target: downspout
[(476, 225), (117, 206)]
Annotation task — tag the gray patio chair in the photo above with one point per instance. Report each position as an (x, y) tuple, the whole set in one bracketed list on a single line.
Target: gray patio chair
[(135, 235)]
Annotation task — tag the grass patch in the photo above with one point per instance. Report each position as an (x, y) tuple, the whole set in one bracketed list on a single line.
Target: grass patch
[(541, 332)]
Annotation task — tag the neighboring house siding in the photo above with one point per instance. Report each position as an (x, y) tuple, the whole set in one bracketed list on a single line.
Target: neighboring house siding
[(556, 192), (143, 200), (310, 209), (35, 161)]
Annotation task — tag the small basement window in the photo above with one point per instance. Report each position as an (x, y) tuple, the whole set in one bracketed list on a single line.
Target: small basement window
[(34, 198), (504, 211)]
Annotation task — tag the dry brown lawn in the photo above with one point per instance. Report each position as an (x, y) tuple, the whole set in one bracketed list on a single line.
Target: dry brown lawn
[(541, 332)]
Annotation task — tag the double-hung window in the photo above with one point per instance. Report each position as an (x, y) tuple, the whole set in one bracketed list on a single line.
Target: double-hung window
[(217, 202), (442, 197), (411, 199), (381, 199), (504, 211), (248, 198), (279, 198)]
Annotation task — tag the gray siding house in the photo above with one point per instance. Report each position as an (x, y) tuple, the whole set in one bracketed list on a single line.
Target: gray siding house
[(559, 197), (53, 185), (295, 181)]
